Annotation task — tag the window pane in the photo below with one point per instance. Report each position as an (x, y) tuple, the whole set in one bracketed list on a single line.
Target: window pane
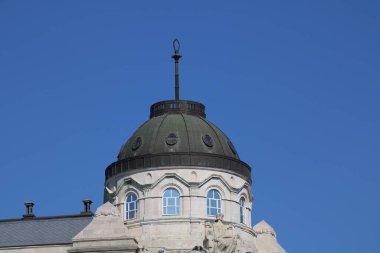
[(171, 201), (213, 202), (131, 206), (242, 208), (171, 210)]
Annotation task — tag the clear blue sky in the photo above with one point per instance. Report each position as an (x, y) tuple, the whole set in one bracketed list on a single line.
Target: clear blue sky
[(295, 85)]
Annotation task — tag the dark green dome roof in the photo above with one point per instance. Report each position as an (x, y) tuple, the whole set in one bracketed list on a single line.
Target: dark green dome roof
[(177, 132)]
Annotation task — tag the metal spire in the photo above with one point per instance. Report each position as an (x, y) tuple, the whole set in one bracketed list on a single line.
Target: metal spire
[(176, 56)]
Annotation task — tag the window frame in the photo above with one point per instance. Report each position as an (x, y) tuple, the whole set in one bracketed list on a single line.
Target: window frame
[(165, 202), (242, 211), (127, 209), (218, 201)]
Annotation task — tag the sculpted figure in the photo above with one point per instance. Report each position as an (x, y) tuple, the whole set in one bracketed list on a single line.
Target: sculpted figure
[(220, 238)]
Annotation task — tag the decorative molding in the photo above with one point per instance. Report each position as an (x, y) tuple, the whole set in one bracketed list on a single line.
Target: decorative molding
[(144, 187), (187, 159)]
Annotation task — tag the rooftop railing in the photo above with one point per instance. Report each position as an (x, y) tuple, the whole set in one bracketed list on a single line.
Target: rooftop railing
[(177, 106)]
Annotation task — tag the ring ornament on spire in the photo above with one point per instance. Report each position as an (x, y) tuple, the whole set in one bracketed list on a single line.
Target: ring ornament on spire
[(176, 45)]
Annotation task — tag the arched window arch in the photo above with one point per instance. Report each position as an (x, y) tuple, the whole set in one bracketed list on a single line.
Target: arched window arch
[(170, 202), (242, 210), (131, 206), (214, 203)]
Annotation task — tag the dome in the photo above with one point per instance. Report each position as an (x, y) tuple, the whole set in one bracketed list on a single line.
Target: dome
[(171, 131), (178, 135)]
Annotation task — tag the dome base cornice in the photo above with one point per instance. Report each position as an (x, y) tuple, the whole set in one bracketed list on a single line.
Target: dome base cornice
[(179, 159)]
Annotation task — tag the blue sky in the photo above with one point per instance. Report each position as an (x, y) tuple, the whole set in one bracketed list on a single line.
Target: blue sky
[(294, 84)]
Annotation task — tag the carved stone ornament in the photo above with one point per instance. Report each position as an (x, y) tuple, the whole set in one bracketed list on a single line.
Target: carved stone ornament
[(105, 233), (264, 228), (107, 210), (198, 249), (220, 238)]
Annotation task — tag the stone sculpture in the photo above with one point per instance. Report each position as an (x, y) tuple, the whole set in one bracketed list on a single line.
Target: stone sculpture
[(266, 241), (105, 233), (220, 238)]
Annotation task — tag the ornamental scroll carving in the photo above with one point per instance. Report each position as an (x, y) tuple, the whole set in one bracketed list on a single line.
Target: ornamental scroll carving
[(220, 238)]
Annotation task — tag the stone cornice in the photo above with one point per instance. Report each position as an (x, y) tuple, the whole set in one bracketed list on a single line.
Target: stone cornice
[(202, 160), (230, 188)]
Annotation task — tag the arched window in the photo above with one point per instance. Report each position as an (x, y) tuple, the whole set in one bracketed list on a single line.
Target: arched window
[(131, 206), (242, 210), (214, 203), (170, 202)]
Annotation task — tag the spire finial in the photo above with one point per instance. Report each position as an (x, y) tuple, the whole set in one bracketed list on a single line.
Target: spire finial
[(176, 56)]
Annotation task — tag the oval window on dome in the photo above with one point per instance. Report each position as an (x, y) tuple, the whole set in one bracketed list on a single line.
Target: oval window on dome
[(171, 139), (136, 144), (207, 140)]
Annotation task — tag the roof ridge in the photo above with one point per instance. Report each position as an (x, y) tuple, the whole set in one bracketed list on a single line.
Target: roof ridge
[(48, 217), (187, 131), (158, 130)]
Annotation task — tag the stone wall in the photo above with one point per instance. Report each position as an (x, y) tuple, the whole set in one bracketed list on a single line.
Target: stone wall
[(186, 230)]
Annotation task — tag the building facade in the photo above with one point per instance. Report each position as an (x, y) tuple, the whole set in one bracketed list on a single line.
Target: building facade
[(178, 185)]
